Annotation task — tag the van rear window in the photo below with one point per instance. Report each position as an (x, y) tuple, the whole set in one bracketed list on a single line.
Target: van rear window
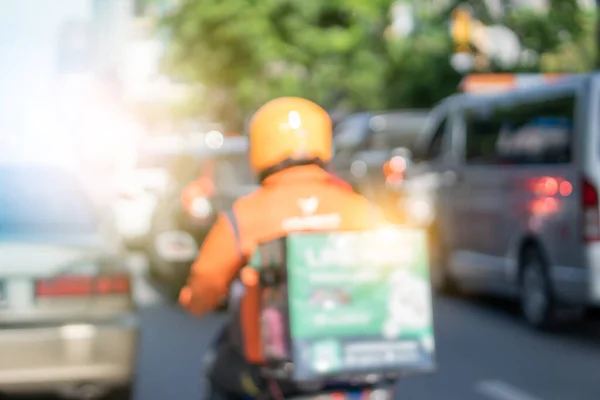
[(525, 133)]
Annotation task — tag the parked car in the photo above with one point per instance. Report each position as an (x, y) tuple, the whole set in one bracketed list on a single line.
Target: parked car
[(512, 179), (68, 323), (202, 185), (139, 189), (365, 142), (136, 198)]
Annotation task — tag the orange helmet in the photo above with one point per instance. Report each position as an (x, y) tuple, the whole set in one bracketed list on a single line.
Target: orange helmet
[(289, 128)]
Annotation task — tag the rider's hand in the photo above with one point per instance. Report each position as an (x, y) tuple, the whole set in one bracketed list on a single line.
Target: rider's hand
[(185, 296)]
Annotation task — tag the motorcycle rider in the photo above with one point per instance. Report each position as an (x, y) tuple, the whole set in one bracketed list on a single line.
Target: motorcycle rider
[(290, 148)]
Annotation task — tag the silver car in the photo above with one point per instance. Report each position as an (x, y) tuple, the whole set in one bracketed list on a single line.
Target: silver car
[(513, 180), (68, 324)]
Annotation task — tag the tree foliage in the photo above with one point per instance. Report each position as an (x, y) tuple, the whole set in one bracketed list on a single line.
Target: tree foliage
[(248, 51), (336, 52)]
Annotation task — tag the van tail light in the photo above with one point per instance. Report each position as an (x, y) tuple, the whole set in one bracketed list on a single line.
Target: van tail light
[(591, 212), (72, 286)]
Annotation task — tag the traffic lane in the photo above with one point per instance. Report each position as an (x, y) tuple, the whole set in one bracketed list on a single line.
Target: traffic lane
[(485, 352), (169, 364), (172, 343), (172, 347)]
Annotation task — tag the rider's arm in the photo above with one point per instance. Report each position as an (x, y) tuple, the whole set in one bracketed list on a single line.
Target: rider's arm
[(218, 263)]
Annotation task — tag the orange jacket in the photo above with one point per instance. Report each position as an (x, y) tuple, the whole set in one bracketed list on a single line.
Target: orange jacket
[(303, 198)]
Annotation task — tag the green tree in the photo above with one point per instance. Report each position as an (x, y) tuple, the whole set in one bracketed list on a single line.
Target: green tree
[(420, 72), (246, 52), (564, 28), (335, 52), (574, 54)]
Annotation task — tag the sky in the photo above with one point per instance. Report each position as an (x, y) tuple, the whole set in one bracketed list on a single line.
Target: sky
[(39, 118), (28, 42)]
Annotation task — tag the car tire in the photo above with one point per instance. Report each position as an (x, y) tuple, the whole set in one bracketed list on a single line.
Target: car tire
[(441, 280), (538, 304), (122, 393), (168, 276)]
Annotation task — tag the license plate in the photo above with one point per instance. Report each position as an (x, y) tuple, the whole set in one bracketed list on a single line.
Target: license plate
[(372, 394)]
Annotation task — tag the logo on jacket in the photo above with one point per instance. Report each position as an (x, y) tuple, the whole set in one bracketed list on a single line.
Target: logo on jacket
[(308, 206), (308, 220)]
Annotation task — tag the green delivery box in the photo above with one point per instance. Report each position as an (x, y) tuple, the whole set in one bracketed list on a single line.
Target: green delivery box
[(340, 305)]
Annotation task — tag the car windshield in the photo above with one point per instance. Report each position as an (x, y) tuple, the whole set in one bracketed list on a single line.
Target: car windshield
[(350, 132), (43, 200)]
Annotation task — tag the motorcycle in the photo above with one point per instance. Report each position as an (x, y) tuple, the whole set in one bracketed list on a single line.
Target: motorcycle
[(340, 392), (373, 387)]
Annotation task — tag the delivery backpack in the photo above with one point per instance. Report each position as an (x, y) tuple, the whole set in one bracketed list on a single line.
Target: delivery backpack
[(345, 306)]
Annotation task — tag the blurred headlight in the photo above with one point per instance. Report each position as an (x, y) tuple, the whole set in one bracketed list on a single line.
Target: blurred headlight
[(214, 139), (200, 208)]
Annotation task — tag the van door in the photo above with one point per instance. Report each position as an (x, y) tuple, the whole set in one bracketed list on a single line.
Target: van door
[(517, 156), (478, 256), (429, 185), (539, 162)]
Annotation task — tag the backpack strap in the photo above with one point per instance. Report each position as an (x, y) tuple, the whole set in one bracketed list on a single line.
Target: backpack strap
[(236, 291), (236, 231)]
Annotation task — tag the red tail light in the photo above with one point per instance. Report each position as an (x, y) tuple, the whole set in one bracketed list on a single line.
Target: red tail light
[(83, 286), (546, 186), (591, 216), (393, 170), (127, 195), (202, 187)]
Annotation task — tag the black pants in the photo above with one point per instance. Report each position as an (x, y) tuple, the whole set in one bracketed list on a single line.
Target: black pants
[(229, 376)]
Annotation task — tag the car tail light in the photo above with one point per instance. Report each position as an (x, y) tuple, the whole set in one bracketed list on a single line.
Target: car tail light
[(127, 195), (394, 169), (130, 192), (591, 217), (201, 187), (83, 286)]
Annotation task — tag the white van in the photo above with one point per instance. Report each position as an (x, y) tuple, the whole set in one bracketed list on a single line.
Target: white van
[(513, 178)]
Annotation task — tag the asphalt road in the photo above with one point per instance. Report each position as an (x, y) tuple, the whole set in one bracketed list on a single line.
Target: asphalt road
[(485, 353)]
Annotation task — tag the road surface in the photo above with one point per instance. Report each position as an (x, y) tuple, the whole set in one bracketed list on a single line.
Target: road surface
[(485, 353)]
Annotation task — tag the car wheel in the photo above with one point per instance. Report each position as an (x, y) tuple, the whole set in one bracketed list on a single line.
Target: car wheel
[(170, 271), (441, 280), (537, 301)]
